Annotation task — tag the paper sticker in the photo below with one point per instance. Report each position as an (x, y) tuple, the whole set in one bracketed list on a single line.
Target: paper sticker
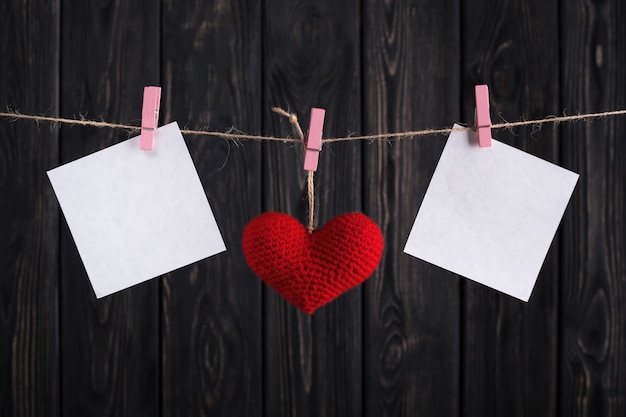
[(490, 214), (135, 215)]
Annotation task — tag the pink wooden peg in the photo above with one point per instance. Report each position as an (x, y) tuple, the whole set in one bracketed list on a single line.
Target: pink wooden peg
[(314, 141), (149, 116), (482, 119)]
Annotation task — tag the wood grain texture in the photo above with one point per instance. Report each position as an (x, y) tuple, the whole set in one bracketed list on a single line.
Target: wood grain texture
[(29, 350), (593, 347), (211, 311), (311, 59), (412, 338), (210, 339), (510, 347), (109, 347)]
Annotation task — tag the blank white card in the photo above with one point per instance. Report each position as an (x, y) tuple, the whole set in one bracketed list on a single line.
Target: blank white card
[(135, 215), (490, 214)]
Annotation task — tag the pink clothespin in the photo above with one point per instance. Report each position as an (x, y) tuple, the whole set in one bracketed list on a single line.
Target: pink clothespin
[(482, 119), (149, 116), (314, 141)]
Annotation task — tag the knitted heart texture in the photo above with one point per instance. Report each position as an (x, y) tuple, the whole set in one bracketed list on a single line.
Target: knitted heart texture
[(312, 269)]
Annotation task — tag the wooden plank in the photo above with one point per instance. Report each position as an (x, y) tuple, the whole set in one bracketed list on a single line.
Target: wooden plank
[(411, 308), (109, 346), (510, 347), (29, 351), (211, 311), (311, 59), (593, 348)]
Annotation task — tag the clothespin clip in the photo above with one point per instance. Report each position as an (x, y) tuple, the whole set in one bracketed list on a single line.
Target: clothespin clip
[(149, 116), (482, 119), (314, 141)]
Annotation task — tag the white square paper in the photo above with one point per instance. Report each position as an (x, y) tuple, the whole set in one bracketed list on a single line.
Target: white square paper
[(135, 214), (490, 214)]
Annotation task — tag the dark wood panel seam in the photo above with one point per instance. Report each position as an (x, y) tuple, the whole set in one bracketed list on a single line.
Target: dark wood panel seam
[(561, 239), (263, 202), (59, 239), (462, 283), (161, 371)]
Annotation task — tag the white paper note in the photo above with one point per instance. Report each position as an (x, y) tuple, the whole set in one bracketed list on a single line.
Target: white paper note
[(490, 214), (134, 214)]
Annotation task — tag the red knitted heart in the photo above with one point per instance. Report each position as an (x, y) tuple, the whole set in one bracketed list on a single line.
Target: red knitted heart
[(311, 269)]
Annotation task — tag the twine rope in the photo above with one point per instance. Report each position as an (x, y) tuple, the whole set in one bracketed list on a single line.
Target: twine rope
[(292, 118), (311, 195)]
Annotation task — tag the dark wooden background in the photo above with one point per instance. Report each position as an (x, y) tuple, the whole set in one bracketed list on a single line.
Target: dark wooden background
[(414, 340)]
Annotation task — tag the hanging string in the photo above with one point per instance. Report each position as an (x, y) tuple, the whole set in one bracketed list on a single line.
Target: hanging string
[(382, 136), (311, 195), (293, 119)]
